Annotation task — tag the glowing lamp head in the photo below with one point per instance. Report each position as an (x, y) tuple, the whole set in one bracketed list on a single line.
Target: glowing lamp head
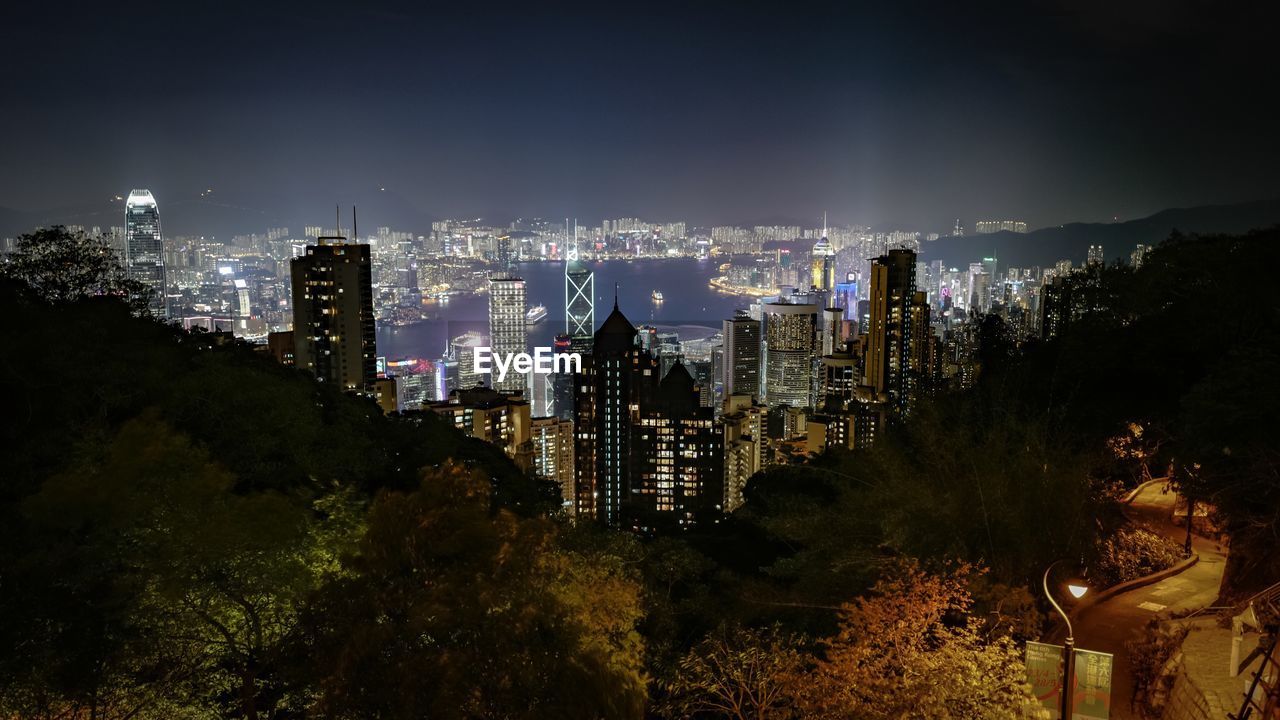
[(1077, 588)]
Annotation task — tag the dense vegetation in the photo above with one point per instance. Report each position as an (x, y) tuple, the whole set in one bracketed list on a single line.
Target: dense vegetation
[(189, 530)]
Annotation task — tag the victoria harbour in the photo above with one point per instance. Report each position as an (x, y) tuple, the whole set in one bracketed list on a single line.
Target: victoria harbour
[(689, 304)]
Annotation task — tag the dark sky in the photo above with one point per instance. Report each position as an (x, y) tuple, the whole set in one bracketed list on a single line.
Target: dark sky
[(715, 112)]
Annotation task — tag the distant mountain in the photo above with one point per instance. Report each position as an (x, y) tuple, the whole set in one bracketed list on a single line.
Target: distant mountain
[(1071, 242)]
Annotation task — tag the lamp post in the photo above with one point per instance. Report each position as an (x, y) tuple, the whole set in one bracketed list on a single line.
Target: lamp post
[(1077, 588)]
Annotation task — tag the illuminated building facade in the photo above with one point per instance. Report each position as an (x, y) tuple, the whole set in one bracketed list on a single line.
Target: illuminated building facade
[(333, 322), (508, 328), (790, 333), (144, 248)]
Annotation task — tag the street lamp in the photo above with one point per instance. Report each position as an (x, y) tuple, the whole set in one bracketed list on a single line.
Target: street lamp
[(1077, 588)]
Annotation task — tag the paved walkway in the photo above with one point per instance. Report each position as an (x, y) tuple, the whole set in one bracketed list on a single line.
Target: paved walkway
[(1105, 627)]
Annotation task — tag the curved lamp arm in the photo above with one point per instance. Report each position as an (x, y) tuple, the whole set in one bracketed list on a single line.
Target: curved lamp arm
[(1052, 601)]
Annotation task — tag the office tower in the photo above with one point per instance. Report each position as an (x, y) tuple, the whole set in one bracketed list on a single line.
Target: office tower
[(823, 264), (144, 248), (498, 418), (888, 361), (579, 303), (790, 334), (617, 378), (462, 351), (553, 455), (832, 330), (744, 423), (838, 378), (333, 324), (508, 329), (1095, 256), (503, 254), (561, 383), (679, 456)]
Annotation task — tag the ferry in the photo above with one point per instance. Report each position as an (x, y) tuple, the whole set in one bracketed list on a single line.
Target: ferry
[(657, 296), (536, 314)]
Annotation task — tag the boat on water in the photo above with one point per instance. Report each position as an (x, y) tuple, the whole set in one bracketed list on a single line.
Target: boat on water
[(657, 296), (536, 314)]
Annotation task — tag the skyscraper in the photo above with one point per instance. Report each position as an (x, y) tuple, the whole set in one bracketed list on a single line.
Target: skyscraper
[(823, 264), (553, 455), (508, 328), (790, 333), (679, 456), (579, 304), (616, 379), (144, 248), (888, 359), (333, 323)]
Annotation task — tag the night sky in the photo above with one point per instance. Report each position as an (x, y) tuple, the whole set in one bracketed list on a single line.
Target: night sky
[(726, 112)]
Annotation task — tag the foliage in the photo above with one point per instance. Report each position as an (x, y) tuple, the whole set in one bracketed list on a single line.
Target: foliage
[(451, 611), (195, 587), (911, 649), (1148, 655), (1131, 553), (58, 266), (739, 673)]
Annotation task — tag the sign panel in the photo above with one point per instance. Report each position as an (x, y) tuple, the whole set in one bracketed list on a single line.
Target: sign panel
[(1091, 698)]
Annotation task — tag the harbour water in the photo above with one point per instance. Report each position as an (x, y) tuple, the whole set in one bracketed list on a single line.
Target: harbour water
[(689, 305)]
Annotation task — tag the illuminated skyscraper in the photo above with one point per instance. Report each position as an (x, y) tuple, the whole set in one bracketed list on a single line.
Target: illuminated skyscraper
[(679, 457), (742, 356), (617, 378), (790, 333), (553, 455), (888, 359), (823, 264), (144, 248), (1095, 256), (579, 304), (508, 328), (333, 324)]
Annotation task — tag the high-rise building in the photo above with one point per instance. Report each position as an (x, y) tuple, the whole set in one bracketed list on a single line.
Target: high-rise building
[(508, 329), (144, 248), (1095, 256), (823, 264), (498, 418), (790, 334), (617, 378), (579, 303), (333, 323), (679, 457), (553, 455), (744, 443), (887, 365), (990, 226), (742, 356)]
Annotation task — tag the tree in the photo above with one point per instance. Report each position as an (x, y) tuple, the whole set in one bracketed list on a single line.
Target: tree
[(743, 674), (911, 649), (451, 609), (197, 585), (58, 266)]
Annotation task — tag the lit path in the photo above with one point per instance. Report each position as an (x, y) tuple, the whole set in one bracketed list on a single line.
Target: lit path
[(1105, 627)]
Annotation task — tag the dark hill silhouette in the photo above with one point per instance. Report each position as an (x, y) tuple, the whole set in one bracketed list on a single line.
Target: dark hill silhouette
[(1048, 245)]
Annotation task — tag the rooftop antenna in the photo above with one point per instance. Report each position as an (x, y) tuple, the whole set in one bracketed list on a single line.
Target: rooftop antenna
[(615, 296), (337, 218), (824, 223), (355, 234)]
